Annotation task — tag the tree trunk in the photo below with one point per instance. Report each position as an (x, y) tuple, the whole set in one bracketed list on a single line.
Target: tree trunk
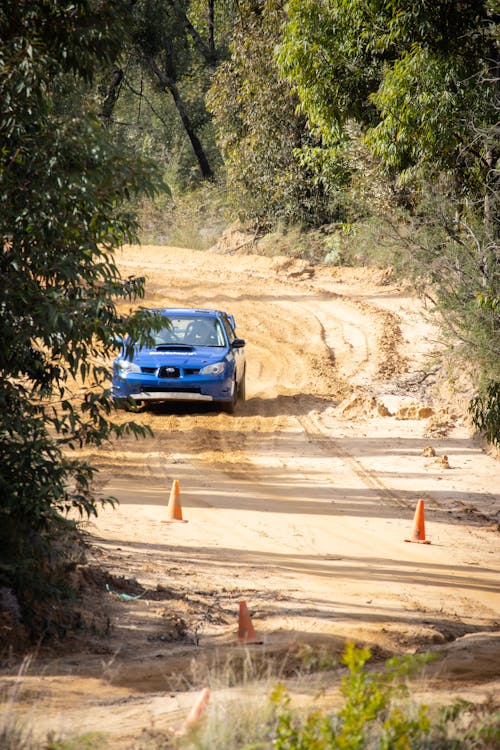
[(211, 30), (207, 51), (112, 95), (168, 84)]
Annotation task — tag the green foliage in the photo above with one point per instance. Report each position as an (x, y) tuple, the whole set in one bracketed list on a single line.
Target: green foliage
[(87, 741), (430, 113), (64, 189), (485, 412), (327, 56), (367, 716), (347, 58), (419, 79), (376, 712), (268, 150)]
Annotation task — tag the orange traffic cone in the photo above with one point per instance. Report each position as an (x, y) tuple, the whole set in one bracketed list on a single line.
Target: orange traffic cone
[(174, 509), (418, 530), (198, 709), (246, 633), (194, 715)]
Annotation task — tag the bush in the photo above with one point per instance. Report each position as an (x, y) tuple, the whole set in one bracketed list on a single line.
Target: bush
[(377, 714), (485, 411)]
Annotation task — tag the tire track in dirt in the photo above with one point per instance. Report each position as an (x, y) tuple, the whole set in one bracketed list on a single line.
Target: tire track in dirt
[(314, 428)]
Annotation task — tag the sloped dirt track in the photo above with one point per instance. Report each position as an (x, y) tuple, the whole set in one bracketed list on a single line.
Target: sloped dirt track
[(299, 504)]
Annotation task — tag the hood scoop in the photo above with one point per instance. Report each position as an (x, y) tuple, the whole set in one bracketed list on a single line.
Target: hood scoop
[(174, 348)]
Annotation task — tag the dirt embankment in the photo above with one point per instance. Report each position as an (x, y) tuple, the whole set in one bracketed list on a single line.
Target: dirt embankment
[(299, 504)]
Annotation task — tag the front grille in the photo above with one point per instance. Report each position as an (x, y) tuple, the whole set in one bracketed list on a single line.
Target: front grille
[(148, 370), (191, 370), (169, 372)]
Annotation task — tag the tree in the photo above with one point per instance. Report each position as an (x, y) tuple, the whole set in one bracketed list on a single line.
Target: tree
[(64, 189), (372, 61), (421, 79), (266, 145), (162, 35), (175, 46)]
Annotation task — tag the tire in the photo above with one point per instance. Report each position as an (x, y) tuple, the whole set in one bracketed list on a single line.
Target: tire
[(242, 392), (230, 406), (129, 405)]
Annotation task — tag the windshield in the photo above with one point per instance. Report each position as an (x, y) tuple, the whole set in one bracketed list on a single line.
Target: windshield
[(192, 331)]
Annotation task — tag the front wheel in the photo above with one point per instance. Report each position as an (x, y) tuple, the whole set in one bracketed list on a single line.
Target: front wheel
[(230, 406), (128, 404)]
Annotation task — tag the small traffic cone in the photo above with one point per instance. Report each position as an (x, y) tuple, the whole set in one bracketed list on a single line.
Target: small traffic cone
[(194, 715), (174, 509), (418, 530), (246, 633), (198, 709)]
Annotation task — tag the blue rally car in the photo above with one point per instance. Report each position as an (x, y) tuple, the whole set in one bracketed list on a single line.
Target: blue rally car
[(196, 356)]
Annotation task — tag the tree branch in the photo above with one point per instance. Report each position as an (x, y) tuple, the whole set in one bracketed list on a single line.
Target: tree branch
[(113, 94), (207, 51)]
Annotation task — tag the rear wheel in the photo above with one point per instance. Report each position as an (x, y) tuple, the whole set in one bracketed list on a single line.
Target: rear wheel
[(242, 388)]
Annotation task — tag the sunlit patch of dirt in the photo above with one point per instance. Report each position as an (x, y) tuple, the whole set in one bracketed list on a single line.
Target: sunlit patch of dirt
[(299, 504)]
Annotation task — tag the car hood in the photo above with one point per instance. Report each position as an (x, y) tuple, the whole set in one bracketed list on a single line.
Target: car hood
[(193, 357)]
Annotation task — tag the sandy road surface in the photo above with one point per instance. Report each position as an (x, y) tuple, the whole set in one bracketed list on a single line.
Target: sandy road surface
[(299, 504)]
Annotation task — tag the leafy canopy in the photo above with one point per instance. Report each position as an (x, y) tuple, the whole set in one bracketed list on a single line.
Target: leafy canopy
[(266, 145)]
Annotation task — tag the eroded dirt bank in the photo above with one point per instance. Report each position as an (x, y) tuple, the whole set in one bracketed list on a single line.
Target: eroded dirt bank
[(299, 504)]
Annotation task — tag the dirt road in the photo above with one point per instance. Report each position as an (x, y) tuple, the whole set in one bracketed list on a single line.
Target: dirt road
[(299, 504)]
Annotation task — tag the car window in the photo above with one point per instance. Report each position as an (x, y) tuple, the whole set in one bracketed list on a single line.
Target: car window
[(230, 333), (221, 339), (166, 335), (202, 331), (193, 331)]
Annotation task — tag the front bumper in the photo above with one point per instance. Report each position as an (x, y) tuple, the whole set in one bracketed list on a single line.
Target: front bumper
[(169, 396), (149, 389)]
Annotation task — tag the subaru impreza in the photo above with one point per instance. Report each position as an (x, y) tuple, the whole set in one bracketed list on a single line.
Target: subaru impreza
[(195, 356)]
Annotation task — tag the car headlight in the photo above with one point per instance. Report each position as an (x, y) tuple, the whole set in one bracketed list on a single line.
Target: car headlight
[(125, 367), (216, 369)]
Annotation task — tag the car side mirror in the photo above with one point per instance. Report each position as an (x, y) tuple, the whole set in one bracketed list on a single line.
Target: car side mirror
[(238, 343)]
